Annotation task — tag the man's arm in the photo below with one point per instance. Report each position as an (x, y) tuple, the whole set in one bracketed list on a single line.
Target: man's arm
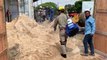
[(55, 24), (93, 27)]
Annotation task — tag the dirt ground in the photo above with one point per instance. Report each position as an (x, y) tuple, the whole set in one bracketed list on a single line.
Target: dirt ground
[(29, 40)]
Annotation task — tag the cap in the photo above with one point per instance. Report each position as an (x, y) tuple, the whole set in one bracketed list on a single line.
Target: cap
[(61, 8), (87, 10)]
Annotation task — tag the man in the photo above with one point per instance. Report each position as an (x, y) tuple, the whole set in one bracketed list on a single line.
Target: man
[(47, 12), (40, 19), (89, 32), (8, 15), (61, 20), (51, 14), (44, 14)]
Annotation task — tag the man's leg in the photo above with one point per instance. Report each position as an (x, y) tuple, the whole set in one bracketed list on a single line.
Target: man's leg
[(85, 42), (90, 42), (8, 19), (66, 39), (63, 41)]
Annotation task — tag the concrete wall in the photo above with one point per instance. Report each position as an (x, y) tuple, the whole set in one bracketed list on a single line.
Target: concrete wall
[(31, 10), (14, 8), (26, 7), (12, 5)]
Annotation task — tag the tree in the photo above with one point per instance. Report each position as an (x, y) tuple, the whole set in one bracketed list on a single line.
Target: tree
[(75, 8), (70, 8), (49, 5), (78, 6)]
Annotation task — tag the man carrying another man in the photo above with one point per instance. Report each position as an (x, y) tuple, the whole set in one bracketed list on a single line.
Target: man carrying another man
[(61, 20)]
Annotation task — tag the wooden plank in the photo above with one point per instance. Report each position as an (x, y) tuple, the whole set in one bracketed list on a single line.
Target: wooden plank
[(100, 38), (3, 55), (101, 22), (101, 33), (101, 53), (1, 45), (1, 2), (3, 51), (106, 46), (3, 41), (1, 8), (2, 23), (101, 4), (100, 43), (101, 10)]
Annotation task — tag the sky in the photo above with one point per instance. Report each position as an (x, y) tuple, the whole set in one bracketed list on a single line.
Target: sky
[(58, 2)]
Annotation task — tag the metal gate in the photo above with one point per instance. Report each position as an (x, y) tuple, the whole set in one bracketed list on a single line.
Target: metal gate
[(3, 40), (100, 39)]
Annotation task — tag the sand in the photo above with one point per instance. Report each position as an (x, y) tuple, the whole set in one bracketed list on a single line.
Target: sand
[(28, 40)]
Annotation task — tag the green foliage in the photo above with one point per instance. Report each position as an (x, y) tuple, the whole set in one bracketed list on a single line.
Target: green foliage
[(69, 8), (47, 4), (77, 7)]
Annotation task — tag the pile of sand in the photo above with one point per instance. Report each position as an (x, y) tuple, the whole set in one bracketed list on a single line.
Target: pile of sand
[(28, 40), (34, 41)]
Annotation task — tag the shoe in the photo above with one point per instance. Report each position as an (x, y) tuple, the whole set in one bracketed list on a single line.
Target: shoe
[(84, 54), (92, 54), (64, 55)]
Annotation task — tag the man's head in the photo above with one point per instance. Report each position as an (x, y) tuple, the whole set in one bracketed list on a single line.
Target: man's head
[(61, 9), (87, 13)]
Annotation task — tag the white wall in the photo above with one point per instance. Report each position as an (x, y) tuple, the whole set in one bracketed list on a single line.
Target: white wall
[(88, 5), (27, 8), (13, 7), (31, 10)]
